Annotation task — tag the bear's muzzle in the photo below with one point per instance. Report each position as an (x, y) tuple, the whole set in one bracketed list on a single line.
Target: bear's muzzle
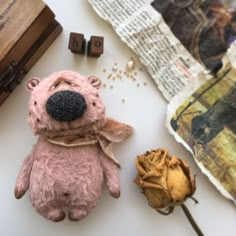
[(66, 105)]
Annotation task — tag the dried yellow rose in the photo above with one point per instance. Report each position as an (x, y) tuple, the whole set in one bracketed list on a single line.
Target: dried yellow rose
[(166, 182)]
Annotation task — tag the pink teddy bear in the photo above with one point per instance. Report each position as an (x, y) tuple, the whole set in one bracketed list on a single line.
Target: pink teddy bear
[(73, 155)]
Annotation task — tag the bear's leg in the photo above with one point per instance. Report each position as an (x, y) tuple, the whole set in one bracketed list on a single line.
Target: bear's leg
[(56, 215), (77, 213), (52, 213)]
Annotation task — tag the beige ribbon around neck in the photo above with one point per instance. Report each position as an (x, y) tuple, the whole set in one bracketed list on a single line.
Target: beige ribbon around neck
[(75, 141)]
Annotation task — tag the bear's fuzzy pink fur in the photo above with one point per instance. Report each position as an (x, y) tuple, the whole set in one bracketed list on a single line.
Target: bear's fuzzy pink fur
[(70, 161)]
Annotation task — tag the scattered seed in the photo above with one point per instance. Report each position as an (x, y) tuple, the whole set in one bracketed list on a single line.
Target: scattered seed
[(130, 72), (115, 67), (131, 65)]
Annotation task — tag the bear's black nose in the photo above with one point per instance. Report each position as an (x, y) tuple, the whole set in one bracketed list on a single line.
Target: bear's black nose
[(66, 105)]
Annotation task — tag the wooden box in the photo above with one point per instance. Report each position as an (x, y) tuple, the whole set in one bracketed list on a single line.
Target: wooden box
[(27, 29)]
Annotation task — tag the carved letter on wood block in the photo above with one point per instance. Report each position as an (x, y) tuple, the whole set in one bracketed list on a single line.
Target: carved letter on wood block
[(77, 43), (95, 46)]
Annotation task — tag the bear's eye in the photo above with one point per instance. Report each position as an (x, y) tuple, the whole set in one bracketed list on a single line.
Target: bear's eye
[(70, 83), (56, 85)]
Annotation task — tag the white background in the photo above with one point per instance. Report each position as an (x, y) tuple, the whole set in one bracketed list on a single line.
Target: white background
[(144, 108)]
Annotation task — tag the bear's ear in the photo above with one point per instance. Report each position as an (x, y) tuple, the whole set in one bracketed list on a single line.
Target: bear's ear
[(95, 81), (32, 83)]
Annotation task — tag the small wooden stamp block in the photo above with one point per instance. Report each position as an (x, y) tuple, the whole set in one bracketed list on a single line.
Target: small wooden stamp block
[(95, 46), (77, 43)]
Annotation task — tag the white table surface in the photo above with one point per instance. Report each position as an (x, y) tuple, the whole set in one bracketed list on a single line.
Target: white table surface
[(144, 108)]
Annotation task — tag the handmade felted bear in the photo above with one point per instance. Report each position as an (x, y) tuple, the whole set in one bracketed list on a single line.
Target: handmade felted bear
[(73, 155)]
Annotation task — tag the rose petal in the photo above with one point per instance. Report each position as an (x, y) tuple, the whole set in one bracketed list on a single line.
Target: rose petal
[(179, 185)]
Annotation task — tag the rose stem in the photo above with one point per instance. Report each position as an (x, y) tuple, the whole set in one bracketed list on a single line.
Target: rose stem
[(191, 220)]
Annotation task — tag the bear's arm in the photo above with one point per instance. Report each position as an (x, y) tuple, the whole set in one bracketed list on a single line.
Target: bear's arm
[(110, 170), (23, 179)]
